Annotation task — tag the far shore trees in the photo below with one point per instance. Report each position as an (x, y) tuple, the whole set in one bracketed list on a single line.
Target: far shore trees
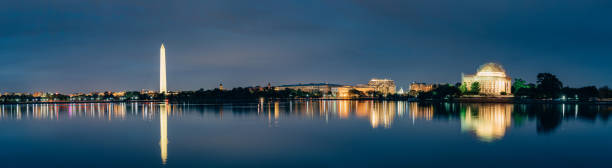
[(605, 92), (354, 93), (548, 86), (519, 84)]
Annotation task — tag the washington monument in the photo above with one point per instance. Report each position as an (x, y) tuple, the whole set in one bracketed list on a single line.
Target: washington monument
[(162, 69)]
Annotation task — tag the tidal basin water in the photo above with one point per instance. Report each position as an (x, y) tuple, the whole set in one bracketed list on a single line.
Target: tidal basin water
[(305, 134)]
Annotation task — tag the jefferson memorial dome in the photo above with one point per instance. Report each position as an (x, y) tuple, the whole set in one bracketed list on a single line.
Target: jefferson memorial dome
[(491, 69), (492, 79)]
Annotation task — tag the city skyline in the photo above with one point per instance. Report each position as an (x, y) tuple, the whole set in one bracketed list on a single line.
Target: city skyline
[(295, 42)]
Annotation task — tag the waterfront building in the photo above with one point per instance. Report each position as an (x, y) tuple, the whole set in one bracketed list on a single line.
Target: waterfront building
[(118, 94), (162, 69), (344, 91), (38, 94), (421, 87), (384, 86), (311, 87), (492, 79), (221, 86)]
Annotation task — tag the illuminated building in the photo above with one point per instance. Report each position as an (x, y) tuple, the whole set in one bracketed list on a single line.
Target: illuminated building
[(421, 87), (492, 79), (401, 91), (384, 86), (220, 86), (38, 94), (311, 87), (119, 94), (162, 69), (344, 91)]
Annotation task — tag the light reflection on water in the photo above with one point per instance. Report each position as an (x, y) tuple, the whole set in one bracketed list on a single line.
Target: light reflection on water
[(487, 122)]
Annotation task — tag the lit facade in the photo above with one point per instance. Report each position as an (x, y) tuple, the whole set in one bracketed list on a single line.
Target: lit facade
[(421, 87), (492, 79), (311, 87), (344, 91), (162, 69), (384, 86)]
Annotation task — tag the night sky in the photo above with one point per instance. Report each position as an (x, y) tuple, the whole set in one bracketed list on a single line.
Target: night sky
[(81, 46)]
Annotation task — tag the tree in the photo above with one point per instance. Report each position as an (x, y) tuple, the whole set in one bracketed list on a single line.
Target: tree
[(529, 92), (588, 92), (356, 93), (375, 94), (519, 84), (447, 91), (475, 88), (604, 92), (548, 85), (463, 88)]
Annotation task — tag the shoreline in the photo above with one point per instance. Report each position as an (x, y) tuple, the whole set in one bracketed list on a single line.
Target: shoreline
[(456, 100)]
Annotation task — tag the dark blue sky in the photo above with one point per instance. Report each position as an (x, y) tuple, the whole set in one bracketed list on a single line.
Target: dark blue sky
[(81, 46)]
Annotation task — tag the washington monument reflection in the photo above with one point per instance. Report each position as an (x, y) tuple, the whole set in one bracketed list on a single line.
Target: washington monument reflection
[(163, 129)]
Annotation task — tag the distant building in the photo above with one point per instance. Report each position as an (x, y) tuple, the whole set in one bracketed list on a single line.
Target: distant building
[(344, 91), (384, 86), (311, 87), (38, 94), (492, 79), (220, 86), (119, 94), (421, 87), (400, 91)]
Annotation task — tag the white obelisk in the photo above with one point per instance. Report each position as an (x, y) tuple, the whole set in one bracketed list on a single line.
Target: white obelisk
[(162, 69)]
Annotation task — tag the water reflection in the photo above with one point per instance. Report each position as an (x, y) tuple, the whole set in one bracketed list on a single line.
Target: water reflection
[(163, 128), (488, 122)]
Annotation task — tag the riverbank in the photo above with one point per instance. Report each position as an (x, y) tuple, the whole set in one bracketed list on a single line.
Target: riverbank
[(94, 101), (454, 100)]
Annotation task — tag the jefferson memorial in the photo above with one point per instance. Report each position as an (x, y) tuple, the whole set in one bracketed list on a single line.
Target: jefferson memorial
[(492, 79)]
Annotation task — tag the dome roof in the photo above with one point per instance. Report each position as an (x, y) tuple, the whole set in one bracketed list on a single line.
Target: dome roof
[(491, 67)]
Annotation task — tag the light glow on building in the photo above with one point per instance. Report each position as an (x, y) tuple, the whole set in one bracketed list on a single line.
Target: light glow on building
[(492, 79), (162, 70)]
